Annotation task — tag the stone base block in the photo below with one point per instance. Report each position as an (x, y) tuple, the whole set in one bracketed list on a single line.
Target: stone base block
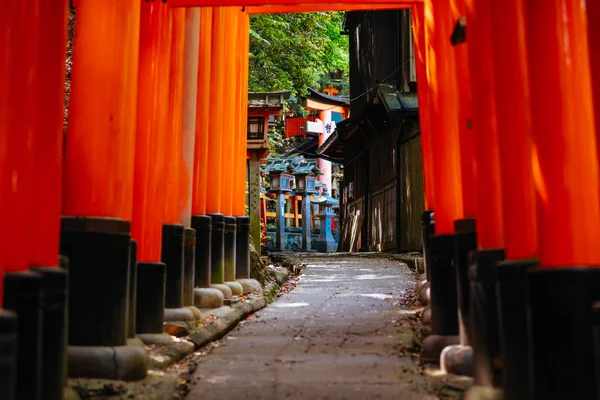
[(250, 285), (457, 360), (136, 341), (425, 294), (155, 338), (126, 363), (178, 314), (196, 312), (483, 393), (208, 298), (236, 288), (70, 394), (434, 344), (426, 316), (224, 289)]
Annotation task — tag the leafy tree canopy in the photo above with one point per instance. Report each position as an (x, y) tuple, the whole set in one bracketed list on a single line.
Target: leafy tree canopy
[(297, 51)]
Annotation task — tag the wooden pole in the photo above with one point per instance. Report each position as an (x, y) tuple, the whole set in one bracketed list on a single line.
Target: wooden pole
[(418, 13), (481, 67), (239, 205), (565, 159), (465, 120), (442, 103), (98, 174), (150, 170), (173, 149), (514, 129), (214, 179), (228, 109), (190, 95), (19, 76), (202, 114)]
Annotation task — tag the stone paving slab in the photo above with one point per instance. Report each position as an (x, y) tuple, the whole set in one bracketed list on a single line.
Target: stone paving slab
[(336, 336)]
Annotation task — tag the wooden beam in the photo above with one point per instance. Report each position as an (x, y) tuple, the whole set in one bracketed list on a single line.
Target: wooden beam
[(288, 9), (348, 5)]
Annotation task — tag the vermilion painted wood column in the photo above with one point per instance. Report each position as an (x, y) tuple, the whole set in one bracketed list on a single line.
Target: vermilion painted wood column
[(445, 149), (19, 77), (200, 221), (173, 241), (215, 177), (490, 235), (98, 186), (239, 200), (186, 167), (150, 192), (518, 196), (47, 150), (418, 14), (593, 10), (229, 148), (565, 173), (466, 236)]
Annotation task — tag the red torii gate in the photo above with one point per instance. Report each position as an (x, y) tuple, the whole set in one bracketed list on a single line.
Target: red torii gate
[(534, 141)]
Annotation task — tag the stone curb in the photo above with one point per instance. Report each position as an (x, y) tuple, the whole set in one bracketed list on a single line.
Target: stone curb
[(164, 356)]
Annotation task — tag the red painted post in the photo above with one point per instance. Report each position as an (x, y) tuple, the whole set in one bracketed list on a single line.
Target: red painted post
[(418, 13), (173, 149), (202, 114), (152, 124), (565, 170), (443, 100), (509, 42)]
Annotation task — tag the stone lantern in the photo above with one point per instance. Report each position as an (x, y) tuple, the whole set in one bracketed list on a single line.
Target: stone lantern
[(325, 242), (305, 173), (281, 183)]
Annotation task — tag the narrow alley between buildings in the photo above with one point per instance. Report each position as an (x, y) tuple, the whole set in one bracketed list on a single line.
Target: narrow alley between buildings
[(345, 332)]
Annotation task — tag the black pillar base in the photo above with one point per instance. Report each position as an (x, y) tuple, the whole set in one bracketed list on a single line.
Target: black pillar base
[(54, 340), (98, 253), (561, 328), (444, 313), (465, 241), (596, 317), (230, 248), (172, 257), (428, 230), (23, 295), (217, 249), (150, 297), (484, 317), (203, 226), (132, 294), (8, 354), (189, 253), (242, 250), (512, 299)]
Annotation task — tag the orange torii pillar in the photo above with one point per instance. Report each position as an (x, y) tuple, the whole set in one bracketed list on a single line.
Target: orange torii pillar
[(188, 138), (465, 237), (230, 133), (204, 295), (518, 195), (242, 263), (150, 191), (31, 111), (445, 149), (98, 189), (215, 179), (173, 232), (565, 169), (418, 16), (490, 239)]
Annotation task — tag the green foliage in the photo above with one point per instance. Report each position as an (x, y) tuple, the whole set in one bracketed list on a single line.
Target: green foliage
[(297, 51)]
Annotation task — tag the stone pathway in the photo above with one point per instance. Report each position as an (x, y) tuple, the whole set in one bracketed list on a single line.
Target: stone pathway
[(338, 335)]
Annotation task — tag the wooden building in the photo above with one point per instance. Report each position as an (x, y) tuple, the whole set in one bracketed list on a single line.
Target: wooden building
[(379, 145)]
